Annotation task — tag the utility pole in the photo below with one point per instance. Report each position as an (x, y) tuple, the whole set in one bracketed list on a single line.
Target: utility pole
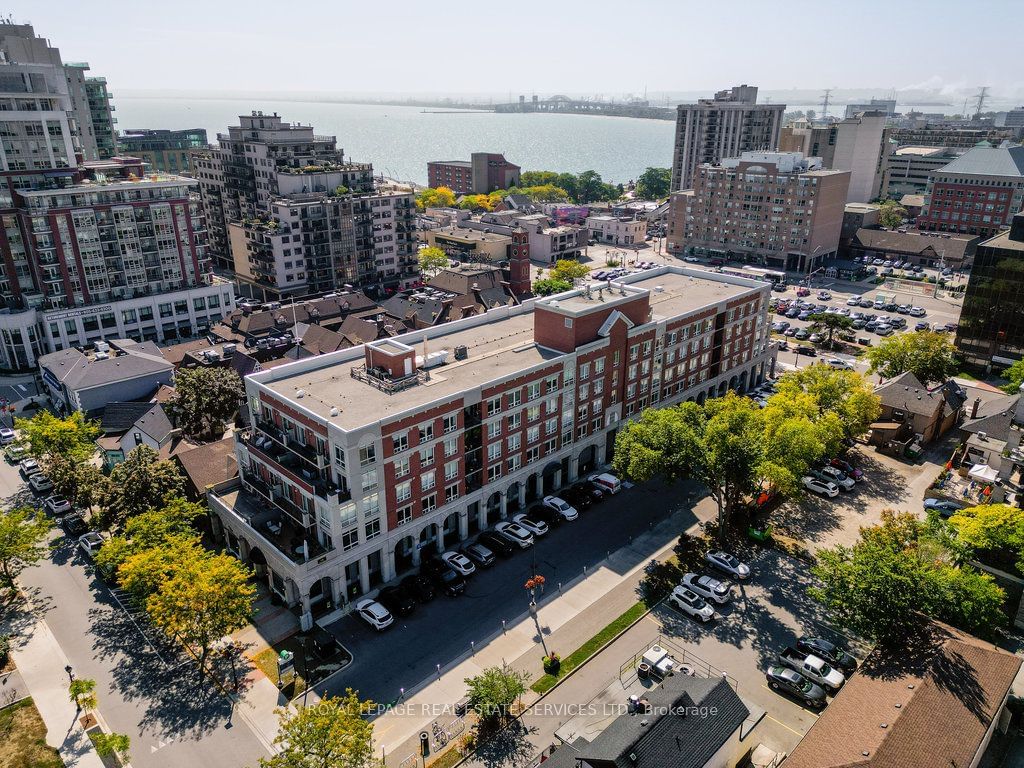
[(982, 95)]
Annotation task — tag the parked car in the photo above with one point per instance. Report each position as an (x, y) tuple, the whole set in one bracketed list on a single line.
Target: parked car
[(828, 651), (459, 563), (945, 507), (40, 483), (847, 468), (801, 334), (90, 543), (536, 527), (824, 296), (828, 473), (374, 614), (792, 682), (839, 364), (921, 326), (708, 587), (564, 510), (691, 259), (499, 544), (447, 580), (692, 605), (804, 350), (853, 301), (607, 481), (903, 309), (57, 505), (15, 453), (28, 467), (516, 534), (917, 312), (7, 436), (419, 587), (814, 668), (575, 497), (821, 487), (74, 525), (728, 563), (816, 338), (595, 491), (481, 556), (397, 601)]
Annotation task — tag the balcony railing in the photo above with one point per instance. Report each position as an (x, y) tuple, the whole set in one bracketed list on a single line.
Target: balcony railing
[(282, 451), (291, 539)]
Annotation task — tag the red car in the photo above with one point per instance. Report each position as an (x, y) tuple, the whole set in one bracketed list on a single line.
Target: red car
[(848, 469)]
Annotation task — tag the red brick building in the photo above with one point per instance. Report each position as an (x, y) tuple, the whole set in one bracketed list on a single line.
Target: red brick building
[(484, 173)]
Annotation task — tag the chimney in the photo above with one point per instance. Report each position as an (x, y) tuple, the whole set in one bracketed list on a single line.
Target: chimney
[(974, 408)]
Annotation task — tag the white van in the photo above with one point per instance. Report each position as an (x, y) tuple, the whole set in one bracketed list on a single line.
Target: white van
[(607, 481)]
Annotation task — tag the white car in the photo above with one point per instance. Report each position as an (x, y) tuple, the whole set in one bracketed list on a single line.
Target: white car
[(691, 259), (853, 302), (29, 467), (708, 587), (536, 527), (561, 507), (606, 481), (839, 364), (459, 563), (820, 486), (838, 477), (90, 543), (516, 534), (7, 436), (691, 604), (40, 483), (374, 614), (57, 505), (728, 563), (914, 312)]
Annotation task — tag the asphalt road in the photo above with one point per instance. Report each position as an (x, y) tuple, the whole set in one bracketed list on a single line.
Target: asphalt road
[(173, 720), (439, 632)]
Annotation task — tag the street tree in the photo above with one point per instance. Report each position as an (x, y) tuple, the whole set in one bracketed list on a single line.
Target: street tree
[(143, 570), (891, 214), (141, 482), (929, 355), (569, 270), (82, 484), (46, 435), (895, 575), (116, 745), (435, 197), (82, 693), (205, 597), (1014, 376), (493, 692), (654, 184), (550, 285), (846, 394), (432, 260), (333, 733), (994, 529), (23, 532), (828, 323), (797, 433), (538, 178), (152, 536), (204, 399)]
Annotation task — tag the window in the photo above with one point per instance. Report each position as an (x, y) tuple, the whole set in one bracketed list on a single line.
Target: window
[(426, 433), (647, 347), (349, 540), (599, 386), (493, 451), (427, 480), (532, 434), (514, 442), (451, 493), (533, 413), (426, 456), (369, 480), (551, 426), (551, 383), (451, 470), (494, 429), (515, 397), (451, 422), (584, 371), (532, 454), (373, 529), (400, 443), (584, 391), (634, 352), (599, 366), (615, 359), (533, 390), (515, 421), (430, 503), (367, 455), (493, 472), (514, 463), (403, 491), (493, 406), (403, 515), (551, 446), (339, 456), (451, 445), (552, 405), (402, 468)]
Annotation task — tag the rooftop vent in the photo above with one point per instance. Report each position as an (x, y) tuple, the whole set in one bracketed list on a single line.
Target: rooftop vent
[(300, 393), (334, 410)]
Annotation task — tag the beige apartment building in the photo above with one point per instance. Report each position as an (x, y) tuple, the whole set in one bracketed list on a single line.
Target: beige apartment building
[(777, 209)]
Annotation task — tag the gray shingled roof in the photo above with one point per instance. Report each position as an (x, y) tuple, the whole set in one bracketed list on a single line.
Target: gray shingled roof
[(77, 371), (988, 161)]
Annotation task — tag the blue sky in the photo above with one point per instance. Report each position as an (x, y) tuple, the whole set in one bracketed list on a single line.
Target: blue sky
[(592, 46)]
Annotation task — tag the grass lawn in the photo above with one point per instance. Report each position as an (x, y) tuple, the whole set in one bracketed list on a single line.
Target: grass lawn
[(451, 756), (589, 648), (23, 738), (966, 375), (266, 660)]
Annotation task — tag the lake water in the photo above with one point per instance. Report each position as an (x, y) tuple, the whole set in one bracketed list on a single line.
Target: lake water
[(399, 141)]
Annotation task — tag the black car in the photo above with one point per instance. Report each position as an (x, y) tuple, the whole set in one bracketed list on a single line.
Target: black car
[(419, 587), (830, 652), (792, 682), (578, 497), (497, 543), (74, 525), (397, 600), (321, 643), (548, 515), (446, 579), (809, 351), (595, 491), (481, 556)]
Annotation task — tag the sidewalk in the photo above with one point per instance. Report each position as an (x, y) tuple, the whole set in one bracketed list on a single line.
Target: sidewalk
[(567, 621), (41, 662)]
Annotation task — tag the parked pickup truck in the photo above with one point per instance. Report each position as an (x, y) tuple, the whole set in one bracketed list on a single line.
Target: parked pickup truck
[(813, 668)]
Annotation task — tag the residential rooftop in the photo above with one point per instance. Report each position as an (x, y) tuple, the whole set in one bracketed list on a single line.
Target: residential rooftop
[(499, 344)]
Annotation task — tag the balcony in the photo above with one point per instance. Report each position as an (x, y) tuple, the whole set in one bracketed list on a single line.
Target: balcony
[(297, 461), (269, 527)]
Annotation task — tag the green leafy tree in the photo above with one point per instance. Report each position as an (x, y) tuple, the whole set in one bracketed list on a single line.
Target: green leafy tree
[(544, 193), (591, 188), (23, 533), (929, 355), (894, 576), (654, 183), (333, 733), (891, 214), (204, 399), (1014, 376), (993, 529), (550, 285), (493, 692), (538, 178), (82, 693), (570, 184), (145, 541), (112, 745), (828, 323), (432, 260), (846, 394), (139, 483), (435, 197), (46, 435), (569, 270), (797, 433)]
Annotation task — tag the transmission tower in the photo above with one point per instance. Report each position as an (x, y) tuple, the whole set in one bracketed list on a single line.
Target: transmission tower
[(982, 95), (824, 103)]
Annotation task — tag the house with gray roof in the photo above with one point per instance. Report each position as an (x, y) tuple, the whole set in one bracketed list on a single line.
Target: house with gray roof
[(126, 426), (81, 381), (912, 413)]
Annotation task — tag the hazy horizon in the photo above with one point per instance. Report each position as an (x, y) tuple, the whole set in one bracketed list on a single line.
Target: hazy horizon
[(668, 49)]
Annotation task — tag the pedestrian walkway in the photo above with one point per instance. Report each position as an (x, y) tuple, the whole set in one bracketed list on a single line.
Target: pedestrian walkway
[(568, 620), (41, 663)]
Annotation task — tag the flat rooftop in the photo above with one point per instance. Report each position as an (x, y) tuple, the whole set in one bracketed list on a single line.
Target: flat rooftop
[(1002, 240), (464, 233), (496, 350)]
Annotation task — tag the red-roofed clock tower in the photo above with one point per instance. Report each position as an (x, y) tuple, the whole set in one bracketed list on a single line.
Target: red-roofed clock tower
[(519, 263)]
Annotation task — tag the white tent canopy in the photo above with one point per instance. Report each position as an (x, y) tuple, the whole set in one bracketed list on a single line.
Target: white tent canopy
[(983, 473)]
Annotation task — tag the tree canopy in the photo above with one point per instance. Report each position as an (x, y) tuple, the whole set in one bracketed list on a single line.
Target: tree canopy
[(569, 270), (891, 214), (333, 733), (586, 187), (550, 285), (845, 394), (993, 530), (23, 532), (895, 575), (495, 690), (435, 197), (204, 399), (1014, 376), (139, 483), (929, 355), (541, 193), (432, 260), (46, 435), (654, 184), (828, 323)]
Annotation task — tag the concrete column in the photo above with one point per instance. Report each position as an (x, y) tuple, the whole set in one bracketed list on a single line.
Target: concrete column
[(364, 575), (387, 566), (522, 496), (440, 536), (306, 617), (416, 553), (482, 516), (463, 525), (599, 453), (503, 512), (338, 591), (558, 478), (573, 469)]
